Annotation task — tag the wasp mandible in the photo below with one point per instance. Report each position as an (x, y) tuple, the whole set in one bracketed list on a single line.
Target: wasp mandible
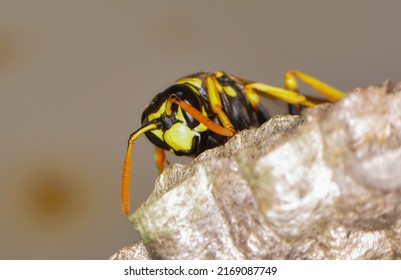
[(203, 110)]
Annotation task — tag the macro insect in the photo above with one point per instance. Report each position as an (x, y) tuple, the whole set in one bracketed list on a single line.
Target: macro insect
[(203, 110)]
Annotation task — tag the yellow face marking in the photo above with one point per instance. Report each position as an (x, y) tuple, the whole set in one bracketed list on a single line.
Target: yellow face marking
[(158, 113), (179, 137), (158, 133), (200, 128), (179, 115)]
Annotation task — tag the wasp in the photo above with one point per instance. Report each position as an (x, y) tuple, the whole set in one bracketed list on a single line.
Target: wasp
[(203, 110)]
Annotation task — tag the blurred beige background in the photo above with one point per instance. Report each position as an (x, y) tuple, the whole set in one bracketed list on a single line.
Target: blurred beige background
[(76, 75)]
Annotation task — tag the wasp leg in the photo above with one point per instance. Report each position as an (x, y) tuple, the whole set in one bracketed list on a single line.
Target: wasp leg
[(294, 109), (253, 98), (160, 158), (329, 92), (286, 95), (198, 116), (126, 178), (216, 105)]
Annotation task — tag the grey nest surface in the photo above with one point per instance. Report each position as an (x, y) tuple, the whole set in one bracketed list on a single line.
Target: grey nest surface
[(326, 185)]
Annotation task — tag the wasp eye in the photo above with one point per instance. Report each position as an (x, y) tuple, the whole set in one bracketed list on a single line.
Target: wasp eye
[(153, 110), (192, 99)]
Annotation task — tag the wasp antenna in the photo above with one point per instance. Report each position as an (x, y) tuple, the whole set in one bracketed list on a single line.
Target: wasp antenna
[(199, 116), (126, 178)]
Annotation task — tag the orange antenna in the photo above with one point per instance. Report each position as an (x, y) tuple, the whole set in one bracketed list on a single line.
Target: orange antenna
[(125, 185), (197, 115)]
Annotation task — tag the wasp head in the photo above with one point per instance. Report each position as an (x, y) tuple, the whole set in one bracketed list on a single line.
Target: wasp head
[(177, 130)]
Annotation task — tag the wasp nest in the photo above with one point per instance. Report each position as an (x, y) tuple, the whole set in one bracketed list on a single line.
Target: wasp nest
[(325, 186)]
